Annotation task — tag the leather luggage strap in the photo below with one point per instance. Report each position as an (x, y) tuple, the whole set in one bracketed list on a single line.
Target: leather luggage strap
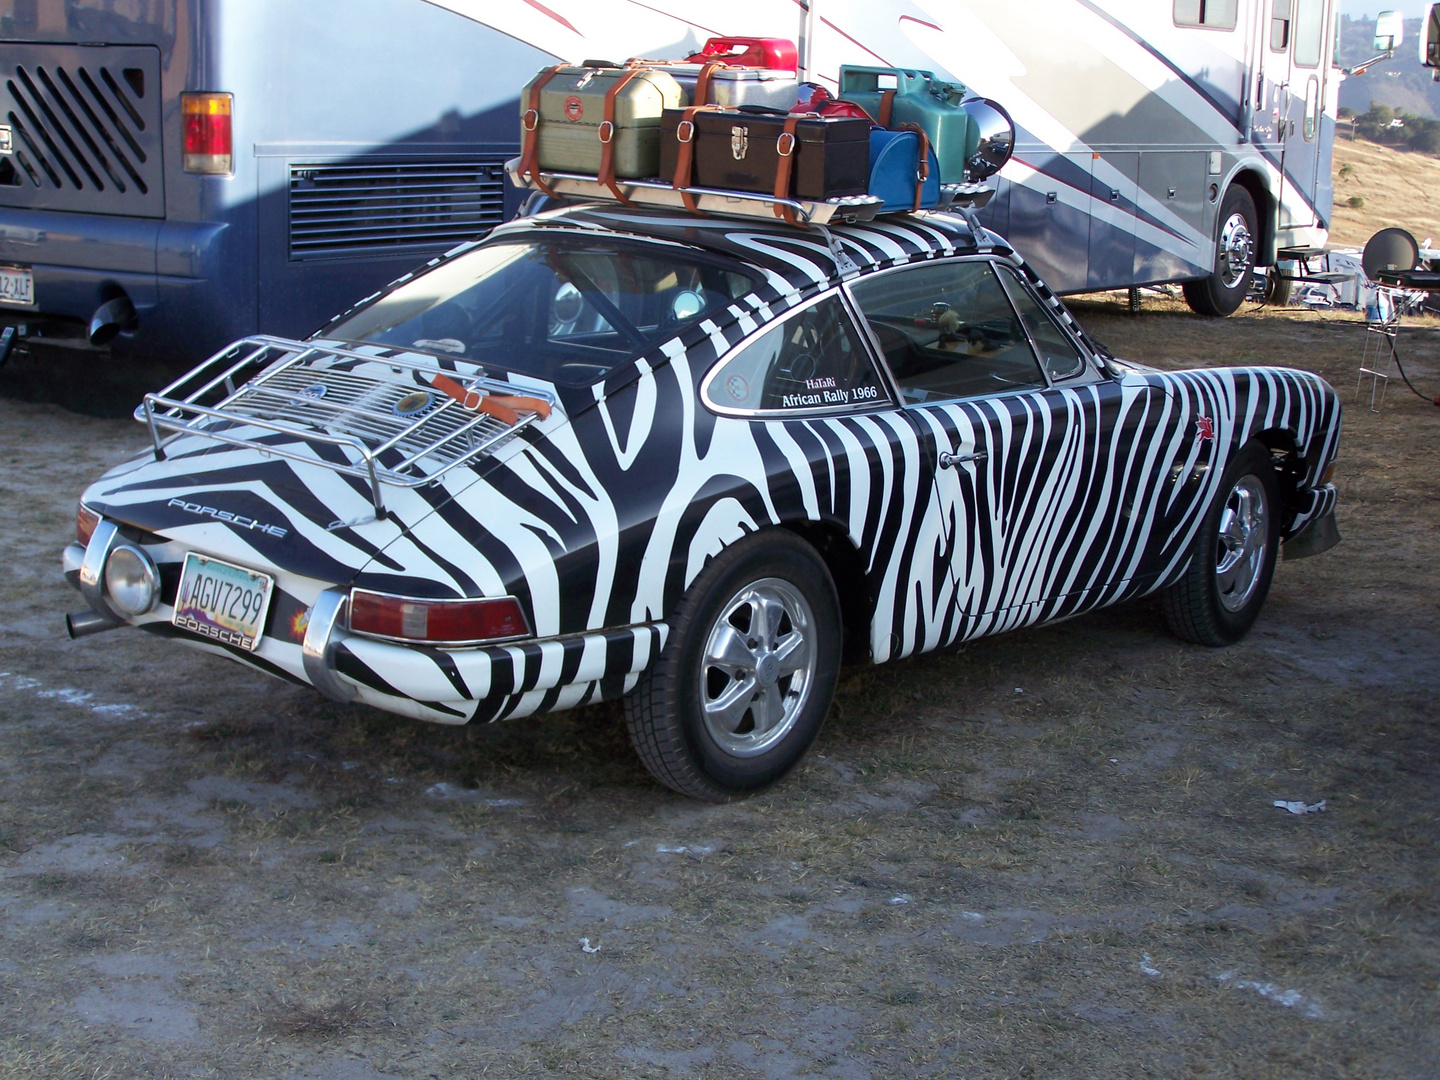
[(785, 146), (606, 133), (530, 132), (922, 171), (887, 107), (685, 161)]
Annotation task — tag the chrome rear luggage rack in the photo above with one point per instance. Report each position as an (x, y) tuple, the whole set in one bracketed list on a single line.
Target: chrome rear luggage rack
[(397, 416)]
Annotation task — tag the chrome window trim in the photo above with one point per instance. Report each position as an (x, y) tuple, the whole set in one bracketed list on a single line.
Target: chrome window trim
[(862, 333), (1017, 280)]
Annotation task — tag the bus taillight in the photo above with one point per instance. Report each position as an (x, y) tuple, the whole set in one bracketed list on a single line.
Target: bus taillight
[(209, 146)]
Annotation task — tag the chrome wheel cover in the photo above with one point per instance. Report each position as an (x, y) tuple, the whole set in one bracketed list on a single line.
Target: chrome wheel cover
[(1242, 544), (1235, 256), (758, 667)]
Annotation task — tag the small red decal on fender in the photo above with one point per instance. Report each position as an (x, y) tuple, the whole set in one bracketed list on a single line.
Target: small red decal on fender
[(1205, 429)]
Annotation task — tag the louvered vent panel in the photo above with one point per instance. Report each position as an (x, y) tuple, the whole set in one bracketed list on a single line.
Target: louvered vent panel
[(84, 129), (391, 206)]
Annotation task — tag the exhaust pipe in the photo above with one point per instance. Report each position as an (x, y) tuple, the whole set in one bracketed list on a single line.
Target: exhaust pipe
[(80, 624), (110, 318)]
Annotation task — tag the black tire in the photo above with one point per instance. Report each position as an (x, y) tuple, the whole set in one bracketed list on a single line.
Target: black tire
[(1224, 291), (1279, 288), (1207, 606), (666, 713)]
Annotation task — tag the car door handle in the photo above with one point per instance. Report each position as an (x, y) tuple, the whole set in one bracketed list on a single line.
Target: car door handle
[(949, 461)]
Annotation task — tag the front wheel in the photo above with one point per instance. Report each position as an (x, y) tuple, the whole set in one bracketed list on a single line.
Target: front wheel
[(1233, 559), (1224, 291), (746, 677)]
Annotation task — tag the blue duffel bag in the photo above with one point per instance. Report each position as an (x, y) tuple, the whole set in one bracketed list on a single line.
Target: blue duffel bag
[(895, 172)]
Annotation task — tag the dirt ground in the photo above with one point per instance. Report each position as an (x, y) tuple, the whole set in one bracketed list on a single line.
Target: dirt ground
[(1054, 854), (1397, 187)]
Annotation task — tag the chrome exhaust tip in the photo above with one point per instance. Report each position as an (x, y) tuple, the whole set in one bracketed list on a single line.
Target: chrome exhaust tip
[(80, 624)]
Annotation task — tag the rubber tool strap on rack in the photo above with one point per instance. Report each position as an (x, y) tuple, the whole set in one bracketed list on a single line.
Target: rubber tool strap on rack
[(606, 132), (922, 171), (685, 159), (785, 146), (530, 131)]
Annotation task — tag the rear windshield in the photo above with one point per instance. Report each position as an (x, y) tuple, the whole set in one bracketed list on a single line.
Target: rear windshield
[(565, 309)]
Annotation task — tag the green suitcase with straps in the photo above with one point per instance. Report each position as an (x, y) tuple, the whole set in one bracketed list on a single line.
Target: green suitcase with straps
[(919, 98)]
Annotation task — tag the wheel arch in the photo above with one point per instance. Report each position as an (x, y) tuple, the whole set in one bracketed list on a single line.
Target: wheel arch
[(1290, 470), (847, 568), (1266, 212)]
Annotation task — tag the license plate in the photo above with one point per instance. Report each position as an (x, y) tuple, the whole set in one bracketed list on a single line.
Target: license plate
[(17, 286), (223, 602)]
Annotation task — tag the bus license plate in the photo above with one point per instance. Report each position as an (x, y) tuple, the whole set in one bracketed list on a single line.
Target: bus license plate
[(222, 602), (17, 286)]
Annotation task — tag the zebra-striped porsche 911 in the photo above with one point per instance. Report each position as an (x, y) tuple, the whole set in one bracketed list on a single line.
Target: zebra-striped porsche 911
[(693, 464)]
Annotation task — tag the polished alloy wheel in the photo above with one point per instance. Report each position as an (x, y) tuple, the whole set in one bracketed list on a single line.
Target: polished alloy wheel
[(1242, 543), (1237, 250), (758, 667)]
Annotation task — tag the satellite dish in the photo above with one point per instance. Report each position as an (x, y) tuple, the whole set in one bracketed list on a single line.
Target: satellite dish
[(1390, 249), (997, 138)]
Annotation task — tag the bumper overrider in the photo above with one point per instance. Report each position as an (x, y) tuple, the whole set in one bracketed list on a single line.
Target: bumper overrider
[(1314, 529), (309, 641)]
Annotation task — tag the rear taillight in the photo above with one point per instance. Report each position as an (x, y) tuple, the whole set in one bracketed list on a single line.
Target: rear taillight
[(209, 142), (451, 622), (85, 522)]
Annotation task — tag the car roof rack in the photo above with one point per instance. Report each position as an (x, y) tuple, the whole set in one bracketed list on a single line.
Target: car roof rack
[(397, 417)]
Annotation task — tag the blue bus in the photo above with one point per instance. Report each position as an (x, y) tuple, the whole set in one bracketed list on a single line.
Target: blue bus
[(175, 174)]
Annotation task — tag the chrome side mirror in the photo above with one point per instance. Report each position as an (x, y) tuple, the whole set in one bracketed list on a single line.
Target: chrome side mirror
[(996, 138), (1430, 39), (1389, 31)]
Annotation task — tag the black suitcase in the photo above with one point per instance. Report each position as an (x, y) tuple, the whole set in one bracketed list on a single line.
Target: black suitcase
[(740, 150)]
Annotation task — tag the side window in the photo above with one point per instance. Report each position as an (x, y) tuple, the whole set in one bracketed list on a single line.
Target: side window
[(1280, 25), (948, 330), (1211, 14), (1308, 32), (814, 359), (1057, 352)]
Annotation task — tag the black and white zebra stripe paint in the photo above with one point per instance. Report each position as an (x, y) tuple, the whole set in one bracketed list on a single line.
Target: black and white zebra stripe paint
[(599, 517)]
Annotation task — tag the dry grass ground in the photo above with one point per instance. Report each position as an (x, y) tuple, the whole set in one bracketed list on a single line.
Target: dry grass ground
[(1400, 188), (1051, 855)]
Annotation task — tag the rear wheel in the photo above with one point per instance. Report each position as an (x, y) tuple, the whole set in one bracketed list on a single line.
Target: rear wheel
[(1224, 291), (745, 680), (1233, 560)]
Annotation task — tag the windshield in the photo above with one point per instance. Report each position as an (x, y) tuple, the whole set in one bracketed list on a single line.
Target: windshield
[(565, 309)]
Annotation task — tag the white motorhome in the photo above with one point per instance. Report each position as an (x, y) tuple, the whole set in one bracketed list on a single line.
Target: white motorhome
[(1159, 140)]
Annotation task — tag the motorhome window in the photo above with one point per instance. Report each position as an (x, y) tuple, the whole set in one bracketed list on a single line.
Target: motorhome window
[(1309, 32), (1058, 353), (1280, 26), (814, 359), (1208, 14), (564, 309), (1312, 108), (948, 330)]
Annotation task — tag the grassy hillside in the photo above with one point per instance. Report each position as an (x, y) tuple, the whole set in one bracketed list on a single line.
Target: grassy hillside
[(1401, 82), (1399, 187)]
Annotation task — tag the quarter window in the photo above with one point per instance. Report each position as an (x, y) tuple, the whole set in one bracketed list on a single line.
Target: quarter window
[(1057, 352), (948, 330), (814, 359), (1210, 14)]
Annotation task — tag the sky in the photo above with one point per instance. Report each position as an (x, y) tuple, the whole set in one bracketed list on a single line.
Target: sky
[(1411, 9)]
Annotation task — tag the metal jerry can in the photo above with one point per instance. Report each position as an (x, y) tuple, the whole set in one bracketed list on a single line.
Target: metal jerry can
[(897, 96), (581, 119)]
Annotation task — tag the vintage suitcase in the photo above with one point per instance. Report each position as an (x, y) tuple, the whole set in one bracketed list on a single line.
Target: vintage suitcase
[(896, 172), (916, 98), (601, 121), (742, 150), (732, 87)]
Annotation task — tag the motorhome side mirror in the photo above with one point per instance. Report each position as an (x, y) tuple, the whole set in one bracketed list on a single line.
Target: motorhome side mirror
[(1389, 31), (996, 138), (1430, 39)]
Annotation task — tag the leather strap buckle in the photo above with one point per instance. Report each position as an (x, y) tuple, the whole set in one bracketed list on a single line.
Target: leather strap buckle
[(606, 131), (685, 131), (530, 119), (785, 144)]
